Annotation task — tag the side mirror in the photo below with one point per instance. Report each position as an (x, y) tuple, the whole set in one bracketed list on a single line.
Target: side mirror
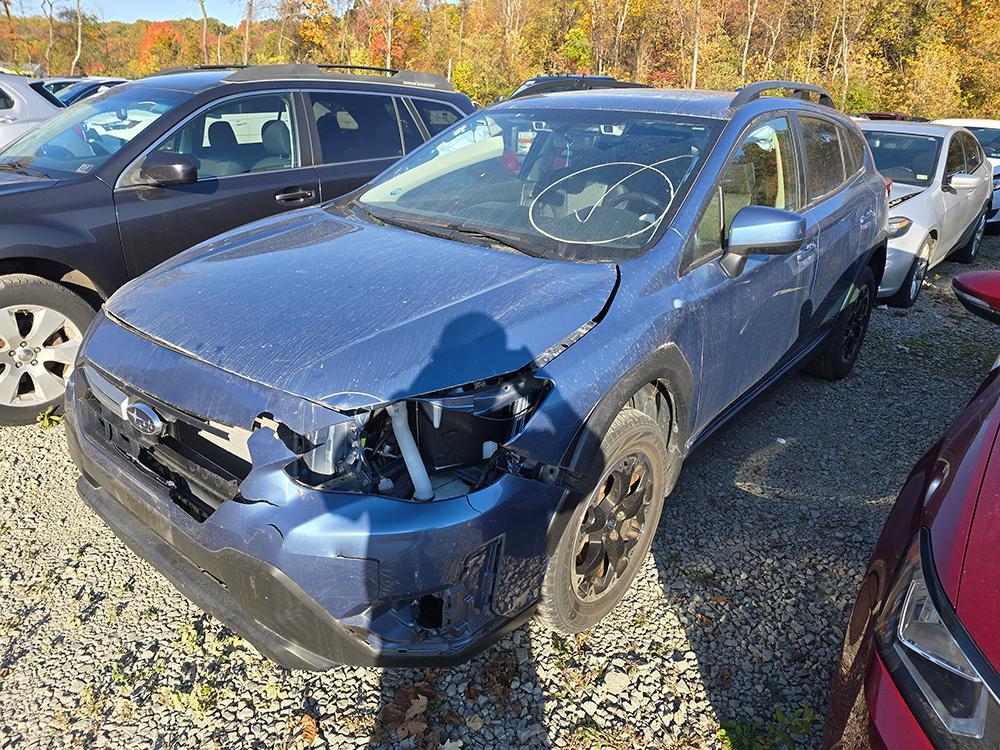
[(163, 168), (979, 293), (962, 181), (760, 230)]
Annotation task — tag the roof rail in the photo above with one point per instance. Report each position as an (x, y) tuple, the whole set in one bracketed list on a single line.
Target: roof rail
[(310, 71), (756, 90)]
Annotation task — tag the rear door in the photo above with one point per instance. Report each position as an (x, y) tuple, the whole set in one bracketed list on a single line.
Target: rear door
[(357, 135), (250, 160), (839, 209), (956, 213)]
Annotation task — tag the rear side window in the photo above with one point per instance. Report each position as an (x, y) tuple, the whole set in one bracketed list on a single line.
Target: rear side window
[(955, 163), (824, 160), (436, 116), (763, 172), (356, 127), (6, 101)]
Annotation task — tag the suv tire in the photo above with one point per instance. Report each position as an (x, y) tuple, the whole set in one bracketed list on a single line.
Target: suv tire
[(41, 326), (607, 531), (837, 357)]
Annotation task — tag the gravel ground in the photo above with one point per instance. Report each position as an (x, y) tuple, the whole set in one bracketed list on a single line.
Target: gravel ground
[(738, 611)]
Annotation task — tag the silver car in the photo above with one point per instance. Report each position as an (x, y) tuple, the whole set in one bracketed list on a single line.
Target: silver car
[(24, 102), (941, 195)]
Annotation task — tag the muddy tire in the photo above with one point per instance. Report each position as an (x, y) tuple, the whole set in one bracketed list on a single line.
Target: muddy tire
[(837, 357), (611, 530), (41, 326)]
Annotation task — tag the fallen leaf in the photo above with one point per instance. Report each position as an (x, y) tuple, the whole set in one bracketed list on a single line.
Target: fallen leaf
[(451, 745), (309, 729), (417, 707)]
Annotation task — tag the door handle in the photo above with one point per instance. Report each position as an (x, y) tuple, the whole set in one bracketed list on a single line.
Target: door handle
[(867, 217), (8, 119), (806, 253), (294, 196)]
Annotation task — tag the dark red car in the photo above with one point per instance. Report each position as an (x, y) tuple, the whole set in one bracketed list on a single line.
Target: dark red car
[(921, 661)]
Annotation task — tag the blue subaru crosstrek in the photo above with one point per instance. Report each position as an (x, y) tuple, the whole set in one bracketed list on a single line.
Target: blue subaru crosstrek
[(388, 429)]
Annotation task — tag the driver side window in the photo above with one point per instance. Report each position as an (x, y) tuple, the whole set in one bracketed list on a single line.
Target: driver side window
[(237, 136), (763, 172), (956, 157)]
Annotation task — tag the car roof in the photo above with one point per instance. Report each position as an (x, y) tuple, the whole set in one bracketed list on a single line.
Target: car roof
[(967, 122), (901, 126), (690, 102), (196, 80)]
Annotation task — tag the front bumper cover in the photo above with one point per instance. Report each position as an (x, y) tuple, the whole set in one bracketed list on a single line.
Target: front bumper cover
[(325, 578)]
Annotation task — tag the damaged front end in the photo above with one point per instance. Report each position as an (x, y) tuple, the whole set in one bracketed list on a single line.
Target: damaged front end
[(387, 532)]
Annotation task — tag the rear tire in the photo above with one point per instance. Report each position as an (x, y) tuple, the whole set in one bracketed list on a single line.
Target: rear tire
[(909, 290), (837, 357), (611, 530), (41, 326), (967, 253)]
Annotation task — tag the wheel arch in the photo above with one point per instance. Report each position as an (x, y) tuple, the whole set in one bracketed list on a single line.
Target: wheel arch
[(74, 278), (662, 386), (876, 261)]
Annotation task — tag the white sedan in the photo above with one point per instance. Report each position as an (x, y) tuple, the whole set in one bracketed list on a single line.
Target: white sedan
[(941, 195), (987, 132)]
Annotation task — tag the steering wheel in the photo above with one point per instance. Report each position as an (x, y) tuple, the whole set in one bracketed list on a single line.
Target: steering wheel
[(623, 201), (55, 151)]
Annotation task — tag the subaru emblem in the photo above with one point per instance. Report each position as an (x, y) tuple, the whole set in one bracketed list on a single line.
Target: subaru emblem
[(144, 420)]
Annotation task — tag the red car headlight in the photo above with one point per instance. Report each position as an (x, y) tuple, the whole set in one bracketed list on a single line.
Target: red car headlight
[(949, 685)]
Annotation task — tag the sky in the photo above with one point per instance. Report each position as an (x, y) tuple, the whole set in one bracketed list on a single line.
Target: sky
[(227, 11)]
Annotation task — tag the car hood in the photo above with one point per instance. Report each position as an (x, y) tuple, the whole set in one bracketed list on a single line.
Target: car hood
[(349, 314), (902, 192), (14, 182)]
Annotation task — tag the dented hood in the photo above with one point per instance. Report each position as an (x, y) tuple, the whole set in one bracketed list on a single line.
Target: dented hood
[(349, 313)]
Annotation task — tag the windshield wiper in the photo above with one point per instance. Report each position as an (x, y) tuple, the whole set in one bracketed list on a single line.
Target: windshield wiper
[(20, 166), (489, 237)]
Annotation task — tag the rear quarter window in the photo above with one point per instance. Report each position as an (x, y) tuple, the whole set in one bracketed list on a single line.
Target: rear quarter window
[(436, 116), (824, 159), (854, 150), (6, 100)]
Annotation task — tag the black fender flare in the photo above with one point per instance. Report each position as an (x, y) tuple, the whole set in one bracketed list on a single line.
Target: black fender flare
[(669, 370)]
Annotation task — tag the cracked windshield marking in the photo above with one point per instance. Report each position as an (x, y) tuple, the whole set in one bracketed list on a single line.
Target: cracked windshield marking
[(580, 185)]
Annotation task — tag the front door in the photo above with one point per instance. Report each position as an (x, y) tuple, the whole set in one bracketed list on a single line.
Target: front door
[(753, 321), (248, 152)]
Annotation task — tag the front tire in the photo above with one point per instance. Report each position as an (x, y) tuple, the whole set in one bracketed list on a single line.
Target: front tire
[(967, 253), (837, 357), (909, 290), (41, 327), (611, 530)]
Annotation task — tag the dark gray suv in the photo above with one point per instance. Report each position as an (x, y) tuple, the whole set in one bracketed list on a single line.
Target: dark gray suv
[(104, 191)]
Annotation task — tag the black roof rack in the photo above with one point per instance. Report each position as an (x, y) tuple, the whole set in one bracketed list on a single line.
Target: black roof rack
[(311, 71), (754, 91)]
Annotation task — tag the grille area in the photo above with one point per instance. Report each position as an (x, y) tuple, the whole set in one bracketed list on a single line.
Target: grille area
[(199, 463)]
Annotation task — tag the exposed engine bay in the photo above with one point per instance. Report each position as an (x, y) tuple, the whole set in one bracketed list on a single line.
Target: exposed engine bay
[(433, 447)]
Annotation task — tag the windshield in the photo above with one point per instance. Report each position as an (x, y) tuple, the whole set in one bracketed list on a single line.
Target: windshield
[(590, 185), (903, 157), (989, 139), (80, 139)]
